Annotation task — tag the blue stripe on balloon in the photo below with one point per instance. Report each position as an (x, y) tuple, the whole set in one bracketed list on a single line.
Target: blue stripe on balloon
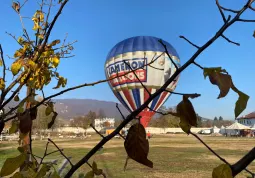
[(141, 43), (122, 101), (136, 95), (154, 102)]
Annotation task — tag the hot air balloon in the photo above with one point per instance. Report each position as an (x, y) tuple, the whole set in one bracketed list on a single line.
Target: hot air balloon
[(145, 56)]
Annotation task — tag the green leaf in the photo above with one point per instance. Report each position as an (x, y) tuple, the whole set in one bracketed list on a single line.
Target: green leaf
[(222, 171), (137, 146), (28, 173), (55, 174), (14, 127), (89, 174), (20, 109), (12, 164), (21, 149), (241, 103), (16, 98), (48, 110), (185, 126), (17, 175), (44, 169), (95, 169), (187, 115)]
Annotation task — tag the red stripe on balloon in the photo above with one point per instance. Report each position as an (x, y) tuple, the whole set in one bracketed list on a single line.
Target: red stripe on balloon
[(162, 97), (129, 98), (146, 96)]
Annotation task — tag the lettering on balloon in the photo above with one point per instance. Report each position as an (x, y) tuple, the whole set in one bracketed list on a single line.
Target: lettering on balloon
[(120, 68)]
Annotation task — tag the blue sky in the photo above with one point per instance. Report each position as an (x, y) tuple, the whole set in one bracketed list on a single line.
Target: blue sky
[(99, 25)]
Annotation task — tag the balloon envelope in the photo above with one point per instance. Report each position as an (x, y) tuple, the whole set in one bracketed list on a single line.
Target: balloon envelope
[(143, 60)]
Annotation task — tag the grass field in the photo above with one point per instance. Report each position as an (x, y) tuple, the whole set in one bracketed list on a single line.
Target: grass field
[(174, 156)]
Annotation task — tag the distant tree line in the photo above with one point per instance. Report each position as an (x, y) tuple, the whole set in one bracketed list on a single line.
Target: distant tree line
[(165, 121)]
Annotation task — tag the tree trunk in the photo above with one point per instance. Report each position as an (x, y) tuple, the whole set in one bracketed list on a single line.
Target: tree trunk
[(26, 141)]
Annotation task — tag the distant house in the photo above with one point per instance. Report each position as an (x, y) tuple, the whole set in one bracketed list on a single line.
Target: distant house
[(248, 120), (99, 123)]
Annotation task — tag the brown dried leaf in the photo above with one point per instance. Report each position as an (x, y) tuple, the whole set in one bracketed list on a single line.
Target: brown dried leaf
[(137, 146), (25, 122), (223, 81)]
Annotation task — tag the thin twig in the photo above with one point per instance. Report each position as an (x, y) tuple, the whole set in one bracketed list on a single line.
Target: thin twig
[(221, 12), (117, 106), (229, 10), (183, 37), (91, 125), (161, 42), (223, 36), (212, 151), (131, 116), (76, 87), (191, 95), (54, 152), (45, 153), (198, 65), (137, 78), (3, 61), (164, 114), (61, 151), (245, 20)]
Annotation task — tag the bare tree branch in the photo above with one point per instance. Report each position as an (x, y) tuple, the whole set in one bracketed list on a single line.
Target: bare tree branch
[(137, 78), (243, 163), (223, 36), (120, 111), (238, 164), (61, 151), (198, 65), (161, 42), (183, 37), (191, 95), (3, 61), (221, 12), (91, 125), (159, 91), (245, 20), (166, 113)]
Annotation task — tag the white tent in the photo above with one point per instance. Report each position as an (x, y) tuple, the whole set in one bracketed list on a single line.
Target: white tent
[(235, 128), (215, 129), (253, 127), (222, 130)]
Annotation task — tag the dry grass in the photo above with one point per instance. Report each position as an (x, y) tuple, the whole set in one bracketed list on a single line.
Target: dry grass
[(174, 156)]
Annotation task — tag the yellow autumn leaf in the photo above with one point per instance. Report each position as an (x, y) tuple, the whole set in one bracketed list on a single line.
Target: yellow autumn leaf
[(39, 15), (55, 61), (36, 24), (20, 40), (1, 62), (32, 64), (15, 68), (2, 84), (18, 53)]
